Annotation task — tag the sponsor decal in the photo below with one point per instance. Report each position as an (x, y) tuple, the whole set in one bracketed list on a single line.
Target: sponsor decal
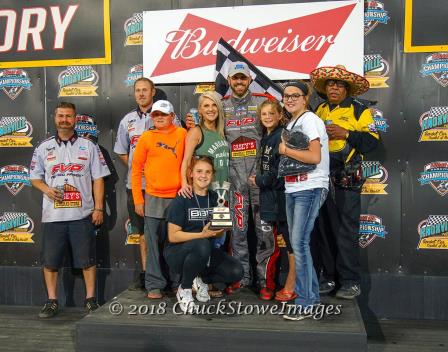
[(436, 175), (381, 124), (243, 146), (15, 131), (436, 66), (370, 227), (133, 28), (376, 70), (13, 81), (86, 127), (202, 88), (14, 178), (374, 13), (181, 45), (78, 81), (72, 197), (135, 72), (238, 208), (433, 232), (434, 124), (376, 177), (16, 228), (132, 236), (199, 214)]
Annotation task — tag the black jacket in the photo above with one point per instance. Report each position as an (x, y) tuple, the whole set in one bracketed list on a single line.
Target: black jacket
[(272, 188)]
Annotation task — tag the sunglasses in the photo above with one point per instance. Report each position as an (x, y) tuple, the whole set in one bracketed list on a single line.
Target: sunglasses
[(337, 83)]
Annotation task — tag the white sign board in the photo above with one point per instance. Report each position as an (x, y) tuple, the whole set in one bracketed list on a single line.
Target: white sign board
[(285, 41)]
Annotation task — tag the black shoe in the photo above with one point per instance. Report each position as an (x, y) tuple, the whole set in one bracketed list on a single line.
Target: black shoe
[(91, 304), (326, 287), (349, 292), (50, 309), (139, 283)]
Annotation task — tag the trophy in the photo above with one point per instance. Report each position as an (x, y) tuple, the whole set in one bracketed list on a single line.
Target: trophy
[(220, 215)]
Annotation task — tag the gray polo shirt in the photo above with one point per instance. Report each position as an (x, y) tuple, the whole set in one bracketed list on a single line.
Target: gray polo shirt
[(71, 166)]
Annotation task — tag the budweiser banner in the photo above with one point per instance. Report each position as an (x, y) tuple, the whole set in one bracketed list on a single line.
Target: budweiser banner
[(54, 33), (284, 41)]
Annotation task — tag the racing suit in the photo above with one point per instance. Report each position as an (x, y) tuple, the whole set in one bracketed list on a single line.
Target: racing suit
[(243, 133)]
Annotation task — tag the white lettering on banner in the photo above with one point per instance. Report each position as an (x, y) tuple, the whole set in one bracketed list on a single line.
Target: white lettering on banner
[(27, 30), (191, 41)]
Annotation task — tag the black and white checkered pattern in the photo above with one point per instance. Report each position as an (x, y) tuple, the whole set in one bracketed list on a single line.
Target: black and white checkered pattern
[(136, 18), (260, 82), (7, 120), (438, 110), (368, 163), (436, 219), (9, 216), (71, 70), (371, 57)]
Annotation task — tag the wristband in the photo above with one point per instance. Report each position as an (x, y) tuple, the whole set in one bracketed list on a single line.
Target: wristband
[(98, 209)]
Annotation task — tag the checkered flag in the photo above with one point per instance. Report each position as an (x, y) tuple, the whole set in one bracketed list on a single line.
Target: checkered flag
[(438, 110), (225, 55), (436, 219), (76, 69), (8, 120)]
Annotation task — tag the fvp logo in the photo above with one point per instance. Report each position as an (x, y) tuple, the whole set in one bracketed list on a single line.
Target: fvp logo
[(78, 81), (15, 131), (376, 70), (13, 81), (434, 124), (381, 124), (436, 66), (135, 72), (433, 232), (376, 177), (14, 178), (63, 168), (374, 13), (133, 28), (16, 228), (436, 175), (370, 227)]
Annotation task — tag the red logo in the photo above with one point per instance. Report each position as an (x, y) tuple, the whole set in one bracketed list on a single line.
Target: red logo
[(134, 140), (242, 122), (66, 168), (281, 45), (239, 210)]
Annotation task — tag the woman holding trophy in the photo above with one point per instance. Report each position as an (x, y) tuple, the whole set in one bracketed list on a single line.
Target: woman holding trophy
[(190, 252)]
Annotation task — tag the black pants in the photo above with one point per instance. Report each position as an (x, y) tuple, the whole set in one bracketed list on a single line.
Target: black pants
[(189, 259), (335, 241)]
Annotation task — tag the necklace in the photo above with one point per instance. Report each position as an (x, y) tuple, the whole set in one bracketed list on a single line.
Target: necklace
[(199, 205)]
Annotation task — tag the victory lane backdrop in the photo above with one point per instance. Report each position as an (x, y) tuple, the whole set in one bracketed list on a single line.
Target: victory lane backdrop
[(399, 276)]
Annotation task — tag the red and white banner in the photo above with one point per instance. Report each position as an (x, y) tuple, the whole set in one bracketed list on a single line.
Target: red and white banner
[(285, 41)]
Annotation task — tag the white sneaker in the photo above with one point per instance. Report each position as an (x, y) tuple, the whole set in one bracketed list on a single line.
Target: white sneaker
[(201, 290), (185, 299)]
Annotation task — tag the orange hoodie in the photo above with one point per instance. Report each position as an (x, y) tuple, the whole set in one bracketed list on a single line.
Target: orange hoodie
[(159, 154)]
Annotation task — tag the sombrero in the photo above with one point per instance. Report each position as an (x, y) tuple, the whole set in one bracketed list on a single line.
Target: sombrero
[(357, 84)]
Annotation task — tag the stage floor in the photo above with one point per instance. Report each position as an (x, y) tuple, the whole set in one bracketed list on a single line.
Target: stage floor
[(131, 322)]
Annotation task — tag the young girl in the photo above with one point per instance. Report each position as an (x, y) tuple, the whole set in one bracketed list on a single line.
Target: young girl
[(208, 139), (305, 193), (190, 252), (272, 198)]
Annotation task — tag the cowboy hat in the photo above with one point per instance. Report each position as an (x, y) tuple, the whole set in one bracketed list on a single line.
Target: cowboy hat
[(357, 84)]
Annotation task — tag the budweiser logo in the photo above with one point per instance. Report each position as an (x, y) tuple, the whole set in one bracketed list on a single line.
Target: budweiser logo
[(282, 45)]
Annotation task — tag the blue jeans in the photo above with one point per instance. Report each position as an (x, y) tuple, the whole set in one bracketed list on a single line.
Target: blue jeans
[(302, 209)]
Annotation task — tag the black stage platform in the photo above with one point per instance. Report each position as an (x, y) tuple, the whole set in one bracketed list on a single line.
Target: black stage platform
[(137, 326)]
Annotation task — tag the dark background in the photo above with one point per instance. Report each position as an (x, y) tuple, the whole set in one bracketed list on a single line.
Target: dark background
[(400, 280)]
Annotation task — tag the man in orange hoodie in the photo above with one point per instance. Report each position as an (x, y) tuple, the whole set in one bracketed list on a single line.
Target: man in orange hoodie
[(158, 155)]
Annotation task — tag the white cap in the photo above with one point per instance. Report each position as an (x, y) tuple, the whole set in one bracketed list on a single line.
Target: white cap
[(239, 67), (163, 106)]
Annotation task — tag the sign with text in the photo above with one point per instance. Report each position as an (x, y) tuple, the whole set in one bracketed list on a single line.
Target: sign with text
[(285, 41), (54, 33)]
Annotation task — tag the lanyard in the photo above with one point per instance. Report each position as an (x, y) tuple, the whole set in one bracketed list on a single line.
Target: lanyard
[(297, 119), (199, 205)]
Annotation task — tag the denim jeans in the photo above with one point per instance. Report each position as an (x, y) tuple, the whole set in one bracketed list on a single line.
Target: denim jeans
[(302, 209)]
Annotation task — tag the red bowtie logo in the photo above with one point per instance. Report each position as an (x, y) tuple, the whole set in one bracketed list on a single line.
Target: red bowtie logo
[(295, 45)]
